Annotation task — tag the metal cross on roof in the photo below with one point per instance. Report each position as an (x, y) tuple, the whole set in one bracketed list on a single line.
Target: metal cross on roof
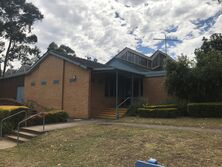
[(165, 39)]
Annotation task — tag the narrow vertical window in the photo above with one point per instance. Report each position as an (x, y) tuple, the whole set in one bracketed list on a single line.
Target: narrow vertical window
[(43, 82), (33, 83)]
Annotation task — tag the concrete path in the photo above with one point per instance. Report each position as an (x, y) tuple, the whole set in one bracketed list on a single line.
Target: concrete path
[(6, 144), (51, 127)]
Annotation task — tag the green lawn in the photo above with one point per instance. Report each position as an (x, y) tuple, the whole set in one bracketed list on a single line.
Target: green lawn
[(212, 123), (116, 146)]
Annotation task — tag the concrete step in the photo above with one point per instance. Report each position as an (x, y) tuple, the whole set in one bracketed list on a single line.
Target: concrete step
[(112, 112), (14, 138), (110, 115), (105, 111), (114, 109), (104, 117), (29, 130), (25, 134)]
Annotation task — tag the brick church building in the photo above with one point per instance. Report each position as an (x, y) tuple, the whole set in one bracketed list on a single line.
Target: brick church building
[(85, 88)]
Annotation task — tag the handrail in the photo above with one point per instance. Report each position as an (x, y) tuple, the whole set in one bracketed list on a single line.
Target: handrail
[(123, 101), (10, 116), (32, 116)]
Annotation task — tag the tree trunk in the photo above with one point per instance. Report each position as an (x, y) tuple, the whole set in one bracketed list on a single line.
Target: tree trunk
[(6, 58), (0, 69)]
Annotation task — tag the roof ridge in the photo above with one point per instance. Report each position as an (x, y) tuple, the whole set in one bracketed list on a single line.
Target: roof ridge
[(75, 57)]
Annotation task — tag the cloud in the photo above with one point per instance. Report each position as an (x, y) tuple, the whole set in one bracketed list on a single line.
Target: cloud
[(102, 28)]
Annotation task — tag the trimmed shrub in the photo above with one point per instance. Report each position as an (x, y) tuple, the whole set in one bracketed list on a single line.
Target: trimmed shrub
[(53, 116), (204, 109), (56, 116), (11, 123), (159, 106), (158, 112)]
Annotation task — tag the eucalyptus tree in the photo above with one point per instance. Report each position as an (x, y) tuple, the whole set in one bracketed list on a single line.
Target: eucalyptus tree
[(16, 38)]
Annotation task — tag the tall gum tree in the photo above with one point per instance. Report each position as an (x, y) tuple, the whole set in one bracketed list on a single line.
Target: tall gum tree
[(16, 39)]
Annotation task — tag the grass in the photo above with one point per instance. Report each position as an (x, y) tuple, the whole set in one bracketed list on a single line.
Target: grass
[(212, 123), (116, 146)]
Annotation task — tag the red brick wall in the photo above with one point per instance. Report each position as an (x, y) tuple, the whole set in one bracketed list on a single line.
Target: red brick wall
[(76, 94), (154, 90), (48, 95), (8, 86)]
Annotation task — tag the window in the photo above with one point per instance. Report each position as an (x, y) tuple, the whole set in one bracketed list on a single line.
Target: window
[(137, 59), (130, 57), (155, 63), (149, 64), (33, 83), (43, 82), (143, 61), (55, 81)]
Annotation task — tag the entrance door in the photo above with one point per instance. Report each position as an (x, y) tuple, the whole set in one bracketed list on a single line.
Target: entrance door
[(20, 94)]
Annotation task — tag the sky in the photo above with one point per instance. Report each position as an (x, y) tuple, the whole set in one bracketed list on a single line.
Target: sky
[(101, 28)]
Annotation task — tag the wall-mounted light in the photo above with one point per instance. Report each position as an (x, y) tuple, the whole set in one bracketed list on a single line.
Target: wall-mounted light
[(73, 79)]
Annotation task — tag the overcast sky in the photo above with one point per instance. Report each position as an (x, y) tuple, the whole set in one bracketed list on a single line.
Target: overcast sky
[(100, 28)]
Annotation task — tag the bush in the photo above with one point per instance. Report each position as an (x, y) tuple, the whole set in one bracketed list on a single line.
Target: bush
[(11, 123), (158, 112), (159, 106), (205, 109), (56, 116), (138, 102), (53, 116)]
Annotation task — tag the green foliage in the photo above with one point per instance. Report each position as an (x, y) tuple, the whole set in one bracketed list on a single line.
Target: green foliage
[(182, 107), (61, 49), (208, 44), (56, 116), (53, 116), (16, 20), (199, 82), (205, 109), (178, 76), (159, 106), (138, 102), (158, 112), (3, 114), (11, 123)]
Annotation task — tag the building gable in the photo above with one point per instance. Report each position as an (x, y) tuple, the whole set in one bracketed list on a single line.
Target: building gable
[(137, 61)]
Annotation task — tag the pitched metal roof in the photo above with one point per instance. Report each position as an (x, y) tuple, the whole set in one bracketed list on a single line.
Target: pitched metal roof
[(83, 63), (78, 60), (92, 65)]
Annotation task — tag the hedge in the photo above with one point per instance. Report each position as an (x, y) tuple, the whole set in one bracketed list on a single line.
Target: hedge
[(158, 112), (53, 116), (11, 123), (204, 109), (160, 106)]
